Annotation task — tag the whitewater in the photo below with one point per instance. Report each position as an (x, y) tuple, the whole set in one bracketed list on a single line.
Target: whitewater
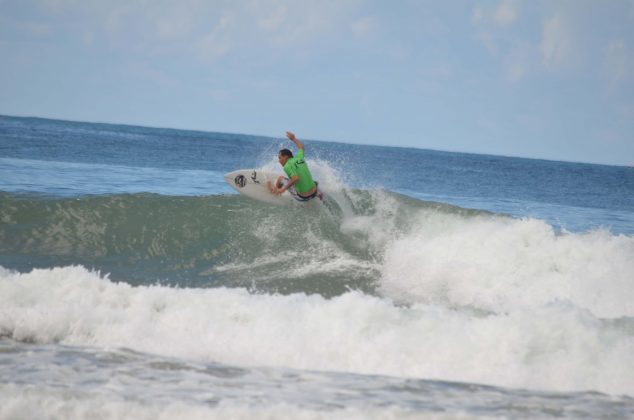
[(135, 284)]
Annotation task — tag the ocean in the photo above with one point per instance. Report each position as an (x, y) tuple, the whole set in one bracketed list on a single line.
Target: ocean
[(135, 283)]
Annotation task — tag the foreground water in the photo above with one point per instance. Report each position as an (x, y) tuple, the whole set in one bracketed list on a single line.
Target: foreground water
[(136, 284)]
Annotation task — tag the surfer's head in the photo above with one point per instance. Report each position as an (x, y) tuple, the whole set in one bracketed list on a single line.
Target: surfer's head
[(284, 155)]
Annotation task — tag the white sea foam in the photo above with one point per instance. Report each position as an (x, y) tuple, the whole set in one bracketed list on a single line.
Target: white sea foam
[(556, 346), (503, 264), (27, 402)]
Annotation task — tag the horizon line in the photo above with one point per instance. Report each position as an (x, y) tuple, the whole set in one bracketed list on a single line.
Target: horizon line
[(207, 131)]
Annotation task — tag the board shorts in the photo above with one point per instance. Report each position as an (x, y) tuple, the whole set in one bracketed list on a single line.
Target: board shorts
[(301, 198)]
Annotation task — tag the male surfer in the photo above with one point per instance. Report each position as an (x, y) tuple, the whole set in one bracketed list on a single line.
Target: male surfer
[(300, 181)]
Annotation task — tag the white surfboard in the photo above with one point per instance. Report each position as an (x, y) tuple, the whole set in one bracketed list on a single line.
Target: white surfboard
[(253, 183)]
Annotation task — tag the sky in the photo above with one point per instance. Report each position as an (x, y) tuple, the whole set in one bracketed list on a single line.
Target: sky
[(550, 79)]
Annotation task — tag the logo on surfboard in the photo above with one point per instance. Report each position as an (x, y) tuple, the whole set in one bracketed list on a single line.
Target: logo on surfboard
[(240, 181)]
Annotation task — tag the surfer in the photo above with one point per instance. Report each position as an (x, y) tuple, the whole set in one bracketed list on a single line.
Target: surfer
[(300, 181)]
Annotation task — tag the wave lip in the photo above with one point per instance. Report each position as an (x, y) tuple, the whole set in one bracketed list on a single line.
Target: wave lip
[(555, 347)]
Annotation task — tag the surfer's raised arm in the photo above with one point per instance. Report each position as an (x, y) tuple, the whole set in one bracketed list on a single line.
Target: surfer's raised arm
[(294, 139)]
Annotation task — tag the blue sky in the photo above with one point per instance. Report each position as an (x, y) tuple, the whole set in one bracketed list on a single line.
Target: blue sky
[(545, 79)]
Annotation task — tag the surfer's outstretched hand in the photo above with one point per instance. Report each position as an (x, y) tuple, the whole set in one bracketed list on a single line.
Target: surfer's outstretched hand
[(274, 189), (291, 137)]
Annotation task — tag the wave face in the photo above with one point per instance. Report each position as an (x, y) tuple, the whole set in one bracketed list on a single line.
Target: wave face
[(374, 241), (187, 241)]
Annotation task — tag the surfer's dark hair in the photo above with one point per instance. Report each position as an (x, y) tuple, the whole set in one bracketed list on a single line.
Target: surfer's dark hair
[(286, 152)]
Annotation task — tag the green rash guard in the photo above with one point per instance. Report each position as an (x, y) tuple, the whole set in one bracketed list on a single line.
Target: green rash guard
[(297, 166)]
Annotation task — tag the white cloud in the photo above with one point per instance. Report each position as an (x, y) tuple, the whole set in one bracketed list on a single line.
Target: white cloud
[(557, 46), (268, 25), (173, 23), (489, 41), (211, 29), (484, 32), (519, 61), (494, 27), (477, 15), (618, 63), (218, 42), (490, 22), (274, 19), (506, 12)]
